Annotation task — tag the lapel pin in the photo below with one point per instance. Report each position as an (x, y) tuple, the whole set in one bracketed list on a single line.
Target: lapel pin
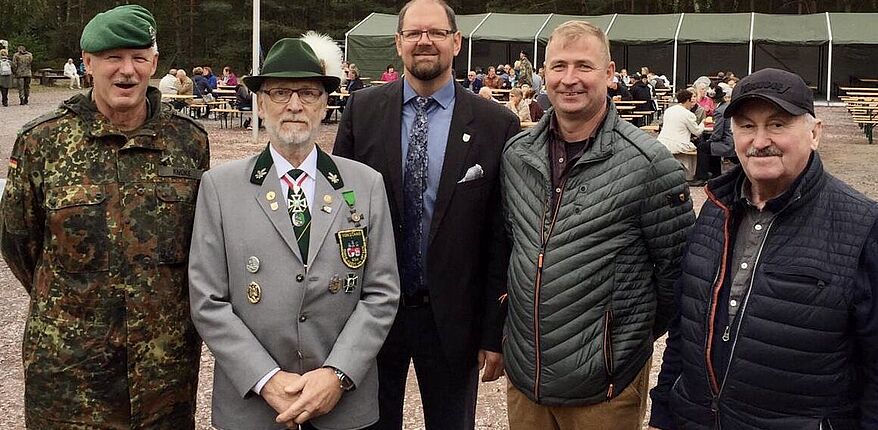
[(254, 293), (327, 209), (327, 199), (466, 137), (274, 206), (253, 264), (270, 195)]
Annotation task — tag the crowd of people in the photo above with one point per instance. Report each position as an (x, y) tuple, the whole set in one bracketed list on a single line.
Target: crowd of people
[(437, 235)]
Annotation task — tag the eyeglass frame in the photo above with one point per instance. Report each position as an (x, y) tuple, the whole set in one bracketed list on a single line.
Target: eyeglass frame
[(421, 34), (296, 91)]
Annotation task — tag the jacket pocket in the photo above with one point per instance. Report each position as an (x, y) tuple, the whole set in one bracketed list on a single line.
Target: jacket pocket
[(76, 216), (608, 352), (174, 218)]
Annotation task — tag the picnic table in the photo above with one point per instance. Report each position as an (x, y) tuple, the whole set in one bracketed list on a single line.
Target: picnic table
[(47, 77), (177, 96)]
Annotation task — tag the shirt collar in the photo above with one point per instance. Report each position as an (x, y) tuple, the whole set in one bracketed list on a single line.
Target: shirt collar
[(443, 97), (309, 165)]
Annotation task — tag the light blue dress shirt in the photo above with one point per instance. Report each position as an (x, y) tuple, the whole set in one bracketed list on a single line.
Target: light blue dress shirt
[(439, 121)]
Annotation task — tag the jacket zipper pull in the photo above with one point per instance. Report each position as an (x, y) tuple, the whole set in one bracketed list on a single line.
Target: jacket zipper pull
[(610, 391), (540, 261), (726, 334)]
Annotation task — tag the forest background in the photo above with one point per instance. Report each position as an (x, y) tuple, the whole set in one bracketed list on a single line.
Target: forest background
[(218, 32)]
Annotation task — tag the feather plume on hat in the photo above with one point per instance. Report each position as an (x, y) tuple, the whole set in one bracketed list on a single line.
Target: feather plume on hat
[(327, 51)]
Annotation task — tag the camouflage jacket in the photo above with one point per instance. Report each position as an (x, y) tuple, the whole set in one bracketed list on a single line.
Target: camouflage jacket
[(96, 225), (21, 64)]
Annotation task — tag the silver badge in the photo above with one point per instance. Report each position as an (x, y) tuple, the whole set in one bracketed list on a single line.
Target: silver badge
[(298, 219), (350, 284), (253, 264)]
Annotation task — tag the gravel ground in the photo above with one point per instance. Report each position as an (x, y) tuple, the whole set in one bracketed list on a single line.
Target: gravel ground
[(844, 151)]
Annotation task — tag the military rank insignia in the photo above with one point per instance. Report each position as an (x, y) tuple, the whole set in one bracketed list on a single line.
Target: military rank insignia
[(352, 245)]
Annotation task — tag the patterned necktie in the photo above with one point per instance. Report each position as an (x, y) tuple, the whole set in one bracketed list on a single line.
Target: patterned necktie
[(415, 183), (297, 205)]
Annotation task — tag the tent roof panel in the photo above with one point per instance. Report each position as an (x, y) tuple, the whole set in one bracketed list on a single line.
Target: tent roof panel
[(377, 24), (795, 29), (600, 21), (644, 29), (854, 28), (702, 28), (507, 27)]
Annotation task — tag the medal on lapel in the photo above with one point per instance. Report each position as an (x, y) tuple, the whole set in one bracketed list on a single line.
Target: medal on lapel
[(350, 283), (254, 293), (334, 284), (298, 205)]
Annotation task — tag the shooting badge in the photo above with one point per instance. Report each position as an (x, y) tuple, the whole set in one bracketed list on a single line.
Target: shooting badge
[(254, 293)]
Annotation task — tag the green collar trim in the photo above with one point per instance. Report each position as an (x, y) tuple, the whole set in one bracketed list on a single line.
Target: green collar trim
[(324, 164), (263, 165)]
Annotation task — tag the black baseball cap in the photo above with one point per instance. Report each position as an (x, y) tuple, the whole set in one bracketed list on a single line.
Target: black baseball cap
[(786, 90)]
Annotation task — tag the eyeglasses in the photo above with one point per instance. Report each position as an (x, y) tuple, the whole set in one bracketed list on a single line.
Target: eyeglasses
[(283, 95), (434, 34)]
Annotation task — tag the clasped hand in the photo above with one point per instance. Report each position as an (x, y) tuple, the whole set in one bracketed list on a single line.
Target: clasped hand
[(300, 398)]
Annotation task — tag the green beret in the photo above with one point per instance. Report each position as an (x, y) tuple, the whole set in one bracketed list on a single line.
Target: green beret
[(128, 26)]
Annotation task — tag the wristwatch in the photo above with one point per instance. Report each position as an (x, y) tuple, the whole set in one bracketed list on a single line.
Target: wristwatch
[(344, 382)]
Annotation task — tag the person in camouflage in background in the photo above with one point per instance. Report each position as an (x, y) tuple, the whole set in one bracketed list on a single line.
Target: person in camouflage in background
[(96, 221)]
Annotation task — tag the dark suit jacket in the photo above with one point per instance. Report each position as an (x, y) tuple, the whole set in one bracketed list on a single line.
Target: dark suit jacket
[(468, 251)]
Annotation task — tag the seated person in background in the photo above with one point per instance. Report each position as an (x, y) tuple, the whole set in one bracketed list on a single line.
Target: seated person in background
[(700, 113), (211, 78), (704, 95), (229, 77), (709, 165), (354, 82), (518, 106), (680, 124), (642, 91), (492, 79), (169, 82), (185, 87), (389, 74), (71, 73), (199, 79), (243, 97), (485, 93), (721, 143), (472, 82), (618, 92), (536, 111), (244, 101), (510, 78)]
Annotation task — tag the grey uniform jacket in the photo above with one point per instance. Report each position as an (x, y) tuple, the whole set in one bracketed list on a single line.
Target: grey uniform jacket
[(255, 317)]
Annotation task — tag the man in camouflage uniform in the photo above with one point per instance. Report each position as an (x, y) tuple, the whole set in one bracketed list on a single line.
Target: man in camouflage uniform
[(96, 222), (21, 68)]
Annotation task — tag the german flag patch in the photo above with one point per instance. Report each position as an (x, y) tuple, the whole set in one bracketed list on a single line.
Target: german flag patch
[(13, 163)]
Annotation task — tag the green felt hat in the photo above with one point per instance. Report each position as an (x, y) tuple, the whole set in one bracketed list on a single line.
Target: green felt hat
[(128, 26), (292, 59)]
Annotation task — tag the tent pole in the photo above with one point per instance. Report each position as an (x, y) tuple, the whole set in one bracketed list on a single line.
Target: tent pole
[(750, 58), (254, 114), (677, 36), (469, 53), (829, 60), (536, 39)]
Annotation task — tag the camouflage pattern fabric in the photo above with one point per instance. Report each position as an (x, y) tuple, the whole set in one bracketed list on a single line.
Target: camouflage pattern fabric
[(96, 225)]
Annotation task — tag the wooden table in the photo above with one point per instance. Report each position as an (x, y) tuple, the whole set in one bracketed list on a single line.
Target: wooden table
[(340, 95), (223, 92), (178, 96)]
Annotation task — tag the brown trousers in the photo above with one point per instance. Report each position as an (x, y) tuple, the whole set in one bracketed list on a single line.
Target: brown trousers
[(623, 412)]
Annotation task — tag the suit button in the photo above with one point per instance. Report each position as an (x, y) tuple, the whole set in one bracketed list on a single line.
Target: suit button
[(303, 318), (300, 277)]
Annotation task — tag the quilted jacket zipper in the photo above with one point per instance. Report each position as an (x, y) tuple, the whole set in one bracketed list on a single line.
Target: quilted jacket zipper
[(608, 352), (544, 236)]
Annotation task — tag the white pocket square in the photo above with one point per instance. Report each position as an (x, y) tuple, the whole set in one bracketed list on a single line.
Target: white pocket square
[(473, 173)]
